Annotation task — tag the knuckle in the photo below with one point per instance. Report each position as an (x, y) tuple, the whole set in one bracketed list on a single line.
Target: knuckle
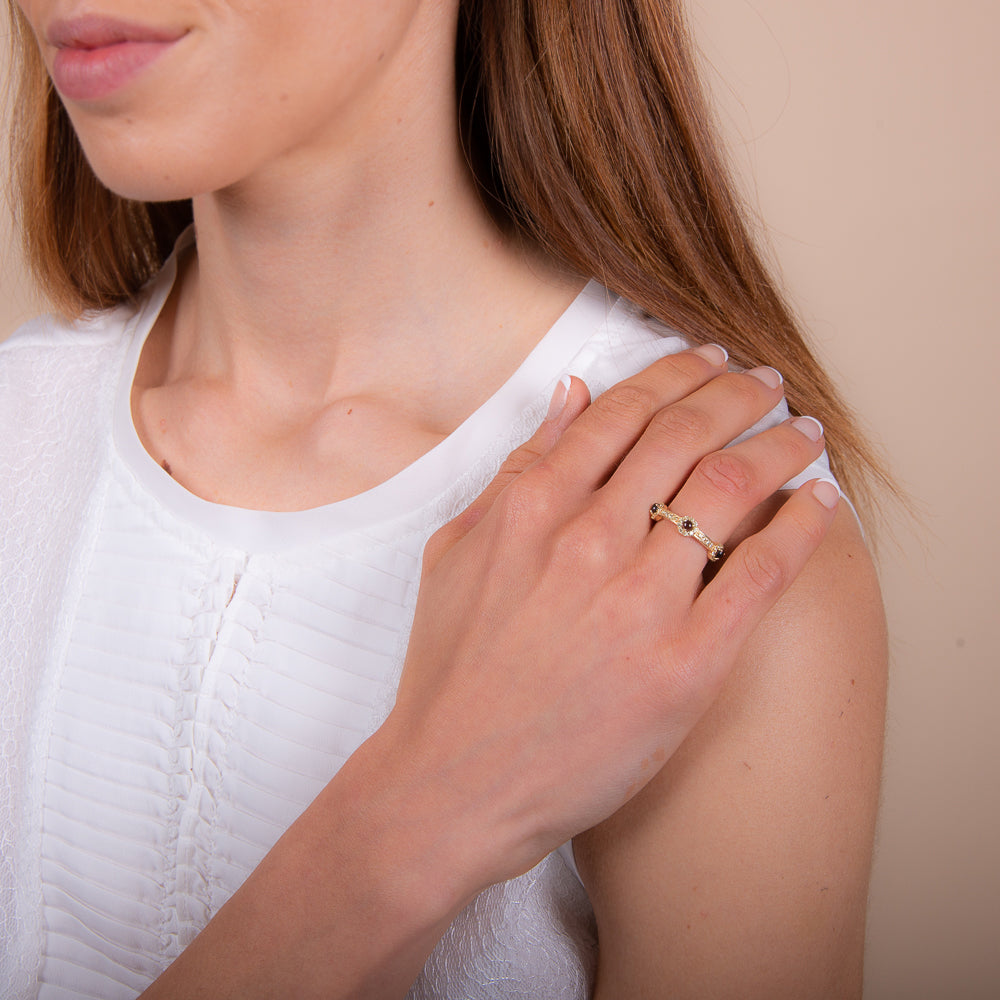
[(521, 458), (684, 681), (730, 474), (746, 392), (524, 502), (682, 370), (625, 404), (764, 572), (685, 427), (809, 530), (585, 544)]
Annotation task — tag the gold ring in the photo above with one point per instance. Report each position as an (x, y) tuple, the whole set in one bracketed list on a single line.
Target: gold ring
[(688, 527)]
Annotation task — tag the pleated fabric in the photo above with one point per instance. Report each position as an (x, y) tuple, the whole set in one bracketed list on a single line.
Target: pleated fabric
[(196, 673), (221, 665), (206, 697)]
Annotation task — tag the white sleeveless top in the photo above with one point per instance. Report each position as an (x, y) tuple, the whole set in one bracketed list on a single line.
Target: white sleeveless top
[(193, 674)]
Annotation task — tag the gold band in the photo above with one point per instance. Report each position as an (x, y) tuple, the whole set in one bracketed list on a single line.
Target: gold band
[(688, 527)]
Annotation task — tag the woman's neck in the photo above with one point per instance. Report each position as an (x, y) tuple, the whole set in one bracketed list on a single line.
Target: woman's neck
[(389, 283), (371, 285)]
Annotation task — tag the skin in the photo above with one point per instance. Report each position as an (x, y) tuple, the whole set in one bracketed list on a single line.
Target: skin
[(742, 870), (350, 303)]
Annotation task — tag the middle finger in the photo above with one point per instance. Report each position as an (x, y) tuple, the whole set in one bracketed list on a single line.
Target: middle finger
[(682, 434)]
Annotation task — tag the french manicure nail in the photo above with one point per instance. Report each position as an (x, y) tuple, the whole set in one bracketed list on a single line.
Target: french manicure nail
[(809, 426), (714, 354), (771, 377), (826, 492), (559, 397)]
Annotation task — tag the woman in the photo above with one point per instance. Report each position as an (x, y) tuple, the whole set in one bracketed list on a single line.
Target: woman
[(234, 470)]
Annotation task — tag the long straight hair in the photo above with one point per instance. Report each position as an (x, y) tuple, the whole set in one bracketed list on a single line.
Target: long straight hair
[(587, 129)]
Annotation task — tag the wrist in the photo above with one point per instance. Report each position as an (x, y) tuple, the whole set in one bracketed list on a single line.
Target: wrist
[(396, 836), (420, 841), (349, 902), (466, 812)]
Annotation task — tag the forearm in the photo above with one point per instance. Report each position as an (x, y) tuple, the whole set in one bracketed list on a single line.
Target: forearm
[(538, 653), (349, 902)]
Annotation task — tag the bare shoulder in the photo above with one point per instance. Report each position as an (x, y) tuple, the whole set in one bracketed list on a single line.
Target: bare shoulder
[(742, 869)]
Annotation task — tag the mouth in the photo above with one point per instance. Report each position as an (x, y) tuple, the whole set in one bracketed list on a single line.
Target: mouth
[(97, 56)]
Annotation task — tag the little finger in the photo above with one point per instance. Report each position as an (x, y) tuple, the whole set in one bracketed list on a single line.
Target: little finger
[(762, 568)]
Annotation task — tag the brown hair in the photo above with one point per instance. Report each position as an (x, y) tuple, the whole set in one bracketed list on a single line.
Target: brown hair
[(87, 248), (587, 129)]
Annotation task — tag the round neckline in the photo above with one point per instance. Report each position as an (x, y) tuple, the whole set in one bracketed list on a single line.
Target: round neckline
[(419, 483)]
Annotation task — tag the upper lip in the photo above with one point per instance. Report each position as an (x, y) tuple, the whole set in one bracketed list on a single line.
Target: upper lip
[(96, 32)]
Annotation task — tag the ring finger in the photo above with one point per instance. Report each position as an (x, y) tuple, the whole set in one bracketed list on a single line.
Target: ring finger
[(727, 485)]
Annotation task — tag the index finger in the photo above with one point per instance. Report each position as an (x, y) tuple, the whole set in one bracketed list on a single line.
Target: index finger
[(591, 448)]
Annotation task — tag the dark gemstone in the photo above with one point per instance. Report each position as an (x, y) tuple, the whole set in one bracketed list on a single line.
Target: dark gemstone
[(687, 524)]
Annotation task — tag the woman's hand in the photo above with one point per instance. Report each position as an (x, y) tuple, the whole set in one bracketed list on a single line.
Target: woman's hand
[(563, 644), (562, 648)]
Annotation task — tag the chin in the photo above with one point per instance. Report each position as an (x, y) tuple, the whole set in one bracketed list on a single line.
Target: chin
[(142, 189), (137, 190), (148, 162), (153, 177)]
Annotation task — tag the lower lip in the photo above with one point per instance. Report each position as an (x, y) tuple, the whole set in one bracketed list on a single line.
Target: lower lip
[(93, 74)]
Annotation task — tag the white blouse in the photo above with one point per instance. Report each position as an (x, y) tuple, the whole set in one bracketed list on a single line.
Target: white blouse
[(210, 668)]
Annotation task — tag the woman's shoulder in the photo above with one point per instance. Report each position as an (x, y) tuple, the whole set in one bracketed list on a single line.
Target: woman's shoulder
[(56, 381), (39, 337), (623, 340), (627, 339), (51, 354)]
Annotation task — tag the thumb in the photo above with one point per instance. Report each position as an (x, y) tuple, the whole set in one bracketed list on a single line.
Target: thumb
[(570, 398)]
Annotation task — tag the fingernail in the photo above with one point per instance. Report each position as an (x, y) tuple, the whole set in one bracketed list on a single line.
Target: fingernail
[(714, 354), (559, 396), (771, 377), (826, 492), (809, 426)]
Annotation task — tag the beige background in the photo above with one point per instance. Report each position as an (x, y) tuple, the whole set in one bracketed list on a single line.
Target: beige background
[(869, 132)]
